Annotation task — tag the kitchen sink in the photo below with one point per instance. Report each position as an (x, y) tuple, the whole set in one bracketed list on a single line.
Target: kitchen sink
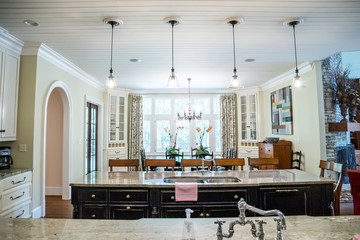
[(202, 179)]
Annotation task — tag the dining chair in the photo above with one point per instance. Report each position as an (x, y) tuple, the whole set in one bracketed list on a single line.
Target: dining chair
[(160, 163), (142, 157), (194, 163), (234, 153), (339, 169), (263, 163), (296, 160), (230, 162), (228, 153), (354, 178), (124, 163)]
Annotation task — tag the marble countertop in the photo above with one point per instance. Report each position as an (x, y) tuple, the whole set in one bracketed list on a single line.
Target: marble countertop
[(298, 227), (4, 173), (155, 179)]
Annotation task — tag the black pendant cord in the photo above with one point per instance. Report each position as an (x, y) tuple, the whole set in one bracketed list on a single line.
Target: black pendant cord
[(296, 64), (172, 46), (233, 26), (189, 92), (112, 43)]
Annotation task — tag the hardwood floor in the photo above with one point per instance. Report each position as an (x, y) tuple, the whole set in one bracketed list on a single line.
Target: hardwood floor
[(55, 207)]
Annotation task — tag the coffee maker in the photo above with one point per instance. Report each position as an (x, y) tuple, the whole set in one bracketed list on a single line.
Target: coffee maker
[(5, 157)]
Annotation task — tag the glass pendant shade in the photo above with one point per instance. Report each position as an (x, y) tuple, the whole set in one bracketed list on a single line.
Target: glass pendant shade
[(173, 82), (235, 82), (297, 81), (111, 81)]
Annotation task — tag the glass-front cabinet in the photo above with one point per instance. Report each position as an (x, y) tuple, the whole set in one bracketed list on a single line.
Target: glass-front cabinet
[(117, 119), (248, 122)]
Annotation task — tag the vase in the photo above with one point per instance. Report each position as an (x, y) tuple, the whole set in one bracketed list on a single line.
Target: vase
[(352, 114), (343, 111)]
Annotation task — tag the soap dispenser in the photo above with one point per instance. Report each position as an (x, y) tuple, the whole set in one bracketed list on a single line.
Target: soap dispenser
[(188, 229)]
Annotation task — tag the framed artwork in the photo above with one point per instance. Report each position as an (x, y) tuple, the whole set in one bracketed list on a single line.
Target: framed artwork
[(281, 112)]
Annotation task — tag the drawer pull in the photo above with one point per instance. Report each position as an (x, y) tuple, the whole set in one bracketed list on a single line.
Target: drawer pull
[(172, 197), (117, 151), (22, 213), (127, 196), (208, 214), (93, 196), (236, 197), (248, 151), (93, 216), (128, 208), (18, 181), (14, 198), (201, 214), (287, 190), (2, 131)]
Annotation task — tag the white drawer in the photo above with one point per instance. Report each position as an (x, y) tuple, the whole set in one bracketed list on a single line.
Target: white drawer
[(14, 196), (118, 153), (17, 180), (248, 152), (21, 211)]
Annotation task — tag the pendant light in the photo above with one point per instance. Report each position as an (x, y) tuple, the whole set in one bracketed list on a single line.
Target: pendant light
[(190, 115), (235, 81), (172, 81), (297, 81), (113, 22)]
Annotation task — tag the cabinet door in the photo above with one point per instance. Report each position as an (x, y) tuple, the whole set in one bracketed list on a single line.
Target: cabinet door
[(179, 211), (117, 118), (248, 117), (90, 211), (128, 211), (289, 200), (221, 211), (9, 95)]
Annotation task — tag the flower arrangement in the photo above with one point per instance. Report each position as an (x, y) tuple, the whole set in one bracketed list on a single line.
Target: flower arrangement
[(172, 149), (201, 149)]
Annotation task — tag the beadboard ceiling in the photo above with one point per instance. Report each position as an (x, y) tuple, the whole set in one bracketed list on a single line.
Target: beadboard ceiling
[(203, 42)]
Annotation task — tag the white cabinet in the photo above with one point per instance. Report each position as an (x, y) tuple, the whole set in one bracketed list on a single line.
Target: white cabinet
[(248, 117), (15, 195), (9, 84)]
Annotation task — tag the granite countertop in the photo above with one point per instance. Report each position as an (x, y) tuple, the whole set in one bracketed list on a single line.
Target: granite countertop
[(4, 173), (298, 227), (155, 179)]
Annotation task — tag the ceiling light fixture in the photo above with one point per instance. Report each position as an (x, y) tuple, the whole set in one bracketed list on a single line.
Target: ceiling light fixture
[(32, 23), (113, 22), (191, 115), (297, 81), (172, 81), (235, 82)]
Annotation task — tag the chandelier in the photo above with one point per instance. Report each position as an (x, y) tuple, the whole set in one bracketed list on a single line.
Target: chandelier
[(190, 115)]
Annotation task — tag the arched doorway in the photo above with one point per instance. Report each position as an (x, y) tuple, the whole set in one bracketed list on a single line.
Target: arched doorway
[(56, 143)]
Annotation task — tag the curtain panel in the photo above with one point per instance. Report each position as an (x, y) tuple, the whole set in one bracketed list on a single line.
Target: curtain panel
[(135, 128), (228, 122)]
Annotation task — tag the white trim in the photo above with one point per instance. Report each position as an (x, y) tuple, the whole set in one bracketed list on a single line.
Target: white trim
[(100, 104), (42, 50), (303, 68), (36, 212), (10, 42), (55, 191), (181, 91), (67, 142)]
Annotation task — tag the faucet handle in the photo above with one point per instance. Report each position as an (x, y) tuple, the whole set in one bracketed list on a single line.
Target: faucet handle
[(260, 221), (219, 222)]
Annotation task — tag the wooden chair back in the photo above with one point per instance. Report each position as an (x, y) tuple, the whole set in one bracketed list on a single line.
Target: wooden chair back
[(339, 169), (354, 178), (230, 162), (194, 163), (264, 163), (160, 163), (124, 163)]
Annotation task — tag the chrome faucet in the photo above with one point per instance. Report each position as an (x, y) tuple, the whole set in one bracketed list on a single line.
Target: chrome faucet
[(203, 170), (259, 232)]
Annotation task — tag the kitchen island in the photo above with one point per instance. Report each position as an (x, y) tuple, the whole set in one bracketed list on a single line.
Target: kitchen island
[(298, 227), (135, 195)]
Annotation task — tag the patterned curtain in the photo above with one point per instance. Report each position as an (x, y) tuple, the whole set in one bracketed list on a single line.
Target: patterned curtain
[(228, 122), (135, 127)]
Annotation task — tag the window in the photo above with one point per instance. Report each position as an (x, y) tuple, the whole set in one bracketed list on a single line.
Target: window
[(161, 111)]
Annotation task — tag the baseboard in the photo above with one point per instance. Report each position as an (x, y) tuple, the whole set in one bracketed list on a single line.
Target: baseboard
[(36, 213), (54, 191)]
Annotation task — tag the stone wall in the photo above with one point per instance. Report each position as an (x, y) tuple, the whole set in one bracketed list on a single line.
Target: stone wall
[(332, 111)]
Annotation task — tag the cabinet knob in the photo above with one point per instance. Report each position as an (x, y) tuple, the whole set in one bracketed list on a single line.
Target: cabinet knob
[(236, 197), (128, 208), (2, 131), (127, 196), (172, 197), (208, 214), (93, 196), (201, 214), (93, 216)]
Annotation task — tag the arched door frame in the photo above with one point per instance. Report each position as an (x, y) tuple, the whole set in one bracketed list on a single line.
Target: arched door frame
[(67, 139)]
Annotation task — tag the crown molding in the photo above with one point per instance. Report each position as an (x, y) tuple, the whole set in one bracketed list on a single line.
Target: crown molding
[(181, 91), (45, 52), (10, 42), (303, 68)]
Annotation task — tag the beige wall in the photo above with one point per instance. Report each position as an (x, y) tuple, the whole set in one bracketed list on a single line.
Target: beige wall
[(308, 123), (54, 140)]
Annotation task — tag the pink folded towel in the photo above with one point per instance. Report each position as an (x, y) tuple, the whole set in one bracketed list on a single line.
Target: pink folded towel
[(186, 191)]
